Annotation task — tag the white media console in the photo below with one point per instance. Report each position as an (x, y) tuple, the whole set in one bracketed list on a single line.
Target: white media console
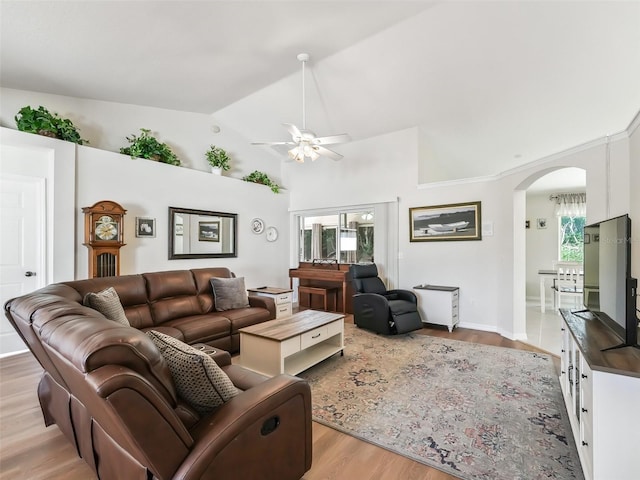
[(601, 390)]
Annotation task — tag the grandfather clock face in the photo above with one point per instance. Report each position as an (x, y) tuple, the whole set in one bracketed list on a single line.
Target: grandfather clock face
[(104, 237), (106, 228)]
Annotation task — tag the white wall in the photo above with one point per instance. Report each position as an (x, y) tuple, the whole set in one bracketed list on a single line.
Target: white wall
[(542, 244), (146, 189), (486, 271), (106, 125), (376, 170)]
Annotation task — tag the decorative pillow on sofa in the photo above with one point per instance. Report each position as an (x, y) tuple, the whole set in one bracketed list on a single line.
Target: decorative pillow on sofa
[(107, 302), (198, 378), (229, 293)]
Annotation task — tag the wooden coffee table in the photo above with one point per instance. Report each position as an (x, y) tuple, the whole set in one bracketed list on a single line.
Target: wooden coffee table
[(292, 344)]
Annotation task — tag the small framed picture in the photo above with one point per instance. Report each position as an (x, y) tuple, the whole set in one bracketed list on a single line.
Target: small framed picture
[(587, 238), (209, 231), (541, 222), (145, 227)]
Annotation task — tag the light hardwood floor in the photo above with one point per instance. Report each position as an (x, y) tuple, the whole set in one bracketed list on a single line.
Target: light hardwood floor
[(28, 450)]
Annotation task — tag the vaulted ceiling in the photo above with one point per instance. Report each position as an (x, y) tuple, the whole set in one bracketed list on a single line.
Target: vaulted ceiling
[(488, 85)]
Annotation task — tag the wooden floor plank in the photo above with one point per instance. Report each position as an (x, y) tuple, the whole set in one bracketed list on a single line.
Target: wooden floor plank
[(29, 450)]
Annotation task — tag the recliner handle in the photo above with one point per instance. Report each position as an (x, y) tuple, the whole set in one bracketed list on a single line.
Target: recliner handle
[(270, 425)]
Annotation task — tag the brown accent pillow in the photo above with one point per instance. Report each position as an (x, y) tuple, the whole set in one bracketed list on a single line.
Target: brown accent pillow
[(197, 377), (229, 293), (107, 302)]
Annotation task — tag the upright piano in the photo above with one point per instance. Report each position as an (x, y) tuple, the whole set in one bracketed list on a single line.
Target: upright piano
[(326, 274)]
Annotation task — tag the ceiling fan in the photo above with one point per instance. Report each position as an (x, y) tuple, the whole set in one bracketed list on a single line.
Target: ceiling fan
[(305, 143)]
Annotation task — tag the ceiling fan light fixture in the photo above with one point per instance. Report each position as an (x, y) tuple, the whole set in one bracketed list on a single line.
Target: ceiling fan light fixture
[(305, 142)]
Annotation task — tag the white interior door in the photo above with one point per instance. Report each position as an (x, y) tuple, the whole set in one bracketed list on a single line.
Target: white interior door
[(22, 246)]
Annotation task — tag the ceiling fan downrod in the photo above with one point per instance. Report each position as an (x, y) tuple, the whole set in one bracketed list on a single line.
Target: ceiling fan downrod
[(304, 58)]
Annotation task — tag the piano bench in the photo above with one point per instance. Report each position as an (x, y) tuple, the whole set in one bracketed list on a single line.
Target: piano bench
[(323, 291)]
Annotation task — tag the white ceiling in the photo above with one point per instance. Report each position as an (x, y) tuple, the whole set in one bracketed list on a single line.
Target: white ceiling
[(489, 85)]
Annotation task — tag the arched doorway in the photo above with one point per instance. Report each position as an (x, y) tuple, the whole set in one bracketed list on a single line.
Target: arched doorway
[(536, 248)]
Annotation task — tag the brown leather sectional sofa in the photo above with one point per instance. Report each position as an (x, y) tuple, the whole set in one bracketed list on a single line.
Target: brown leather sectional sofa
[(110, 391)]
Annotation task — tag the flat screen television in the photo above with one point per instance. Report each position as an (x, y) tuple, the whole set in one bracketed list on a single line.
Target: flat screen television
[(609, 290)]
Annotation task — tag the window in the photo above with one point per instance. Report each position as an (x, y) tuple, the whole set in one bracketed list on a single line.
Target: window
[(345, 236), (570, 239)]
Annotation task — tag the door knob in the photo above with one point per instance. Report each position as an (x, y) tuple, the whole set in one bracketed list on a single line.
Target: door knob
[(30, 274)]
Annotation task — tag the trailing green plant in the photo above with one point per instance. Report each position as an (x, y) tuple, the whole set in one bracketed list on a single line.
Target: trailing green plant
[(43, 122), (262, 178), (217, 157), (147, 146)]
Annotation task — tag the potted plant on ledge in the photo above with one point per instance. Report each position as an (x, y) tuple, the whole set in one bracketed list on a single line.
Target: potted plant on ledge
[(43, 122), (218, 159), (260, 177), (147, 146)]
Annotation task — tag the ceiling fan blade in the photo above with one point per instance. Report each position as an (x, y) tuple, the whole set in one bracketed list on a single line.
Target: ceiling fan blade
[(293, 130), (327, 153), (273, 143), (341, 138)]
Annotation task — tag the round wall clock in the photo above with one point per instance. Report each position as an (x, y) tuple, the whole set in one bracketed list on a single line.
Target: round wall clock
[(272, 234), (257, 225)]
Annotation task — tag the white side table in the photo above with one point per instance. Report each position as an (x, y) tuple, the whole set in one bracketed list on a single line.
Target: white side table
[(438, 304), (282, 297)]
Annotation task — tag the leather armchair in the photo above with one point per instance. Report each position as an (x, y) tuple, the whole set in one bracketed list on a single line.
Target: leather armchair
[(381, 310)]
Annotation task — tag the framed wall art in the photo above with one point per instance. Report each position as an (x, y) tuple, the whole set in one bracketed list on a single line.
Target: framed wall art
[(145, 227), (209, 231), (456, 221)]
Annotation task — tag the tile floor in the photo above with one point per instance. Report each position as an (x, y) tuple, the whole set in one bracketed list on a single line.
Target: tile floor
[(543, 329)]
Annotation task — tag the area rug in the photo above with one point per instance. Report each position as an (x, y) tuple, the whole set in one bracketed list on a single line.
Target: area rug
[(473, 411)]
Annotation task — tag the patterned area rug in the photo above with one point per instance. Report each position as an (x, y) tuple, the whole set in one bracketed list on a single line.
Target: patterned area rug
[(473, 411)]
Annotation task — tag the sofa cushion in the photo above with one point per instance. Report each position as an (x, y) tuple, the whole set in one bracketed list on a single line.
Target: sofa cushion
[(172, 294), (132, 292), (229, 293), (203, 285), (107, 302), (199, 328), (197, 377)]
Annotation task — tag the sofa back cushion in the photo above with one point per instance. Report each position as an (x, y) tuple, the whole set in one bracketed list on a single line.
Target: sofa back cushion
[(131, 290), (202, 277), (172, 295)]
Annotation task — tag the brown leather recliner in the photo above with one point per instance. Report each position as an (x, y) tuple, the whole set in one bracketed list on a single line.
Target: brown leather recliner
[(110, 391)]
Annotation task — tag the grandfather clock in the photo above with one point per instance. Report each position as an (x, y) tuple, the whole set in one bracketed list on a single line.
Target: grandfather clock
[(103, 236)]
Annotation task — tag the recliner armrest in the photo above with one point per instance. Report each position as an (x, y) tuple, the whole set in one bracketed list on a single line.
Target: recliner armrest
[(407, 295), (244, 424)]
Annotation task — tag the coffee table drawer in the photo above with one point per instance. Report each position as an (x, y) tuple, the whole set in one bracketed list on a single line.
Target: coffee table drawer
[(290, 346), (314, 336)]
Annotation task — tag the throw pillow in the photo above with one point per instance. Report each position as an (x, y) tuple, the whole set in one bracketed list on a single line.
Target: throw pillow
[(197, 377), (107, 302), (229, 293)]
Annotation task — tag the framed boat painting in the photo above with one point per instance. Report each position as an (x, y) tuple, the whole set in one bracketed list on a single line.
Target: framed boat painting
[(456, 221)]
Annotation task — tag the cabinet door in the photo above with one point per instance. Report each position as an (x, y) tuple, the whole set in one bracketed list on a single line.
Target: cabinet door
[(586, 414), (564, 359)]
